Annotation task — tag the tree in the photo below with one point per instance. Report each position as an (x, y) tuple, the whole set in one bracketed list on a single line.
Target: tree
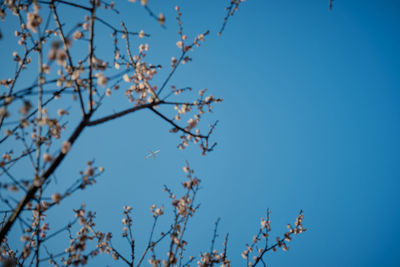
[(38, 131)]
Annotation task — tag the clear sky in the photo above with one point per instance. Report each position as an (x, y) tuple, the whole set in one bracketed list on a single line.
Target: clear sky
[(310, 120)]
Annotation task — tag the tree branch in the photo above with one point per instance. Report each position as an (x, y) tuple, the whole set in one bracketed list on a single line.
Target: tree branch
[(34, 187)]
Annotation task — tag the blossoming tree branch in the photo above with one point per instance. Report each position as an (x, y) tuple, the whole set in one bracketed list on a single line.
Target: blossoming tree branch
[(41, 120)]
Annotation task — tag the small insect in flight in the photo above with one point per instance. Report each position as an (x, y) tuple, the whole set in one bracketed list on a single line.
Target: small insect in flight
[(152, 154)]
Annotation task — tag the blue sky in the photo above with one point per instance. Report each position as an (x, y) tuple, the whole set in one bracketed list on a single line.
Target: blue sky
[(310, 120)]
